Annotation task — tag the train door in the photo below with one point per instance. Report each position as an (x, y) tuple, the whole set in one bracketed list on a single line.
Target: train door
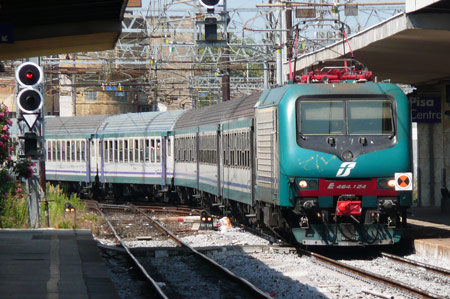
[(266, 166), (101, 161), (218, 160), (163, 148), (87, 156)]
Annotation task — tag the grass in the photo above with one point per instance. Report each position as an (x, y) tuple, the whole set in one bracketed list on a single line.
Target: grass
[(14, 212), (80, 218)]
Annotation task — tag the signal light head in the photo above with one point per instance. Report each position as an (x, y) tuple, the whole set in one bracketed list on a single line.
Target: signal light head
[(210, 3), (29, 74), (30, 100)]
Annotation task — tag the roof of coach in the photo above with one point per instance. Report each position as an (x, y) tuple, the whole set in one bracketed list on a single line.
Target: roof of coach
[(239, 108), (140, 122), (73, 125)]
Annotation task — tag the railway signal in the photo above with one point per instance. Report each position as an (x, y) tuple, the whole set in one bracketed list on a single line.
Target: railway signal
[(30, 122), (29, 76), (206, 221), (209, 4)]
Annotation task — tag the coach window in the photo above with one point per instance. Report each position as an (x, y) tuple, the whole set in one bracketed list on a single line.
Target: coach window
[(68, 152), (71, 151), (232, 149), (178, 149), (247, 149), (58, 150), (78, 150), (125, 151), (130, 150), (83, 151), (147, 150), (152, 150), (111, 151), (76, 144), (73, 146), (224, 147), (187, 146), (136, 150), (54, 150), (49, 150), (158, 150), (63, 150), (116, 151), (193, 148), (238, 148), (105, 151), (168, 149), (141, 150), (120, 151), (183, 149)]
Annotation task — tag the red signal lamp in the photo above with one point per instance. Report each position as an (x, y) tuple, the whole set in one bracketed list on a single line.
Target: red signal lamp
[(29, 75)]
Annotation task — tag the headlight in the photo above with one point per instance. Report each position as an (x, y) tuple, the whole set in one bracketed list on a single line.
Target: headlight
[(312, 184), (303, 184), (391, 183)]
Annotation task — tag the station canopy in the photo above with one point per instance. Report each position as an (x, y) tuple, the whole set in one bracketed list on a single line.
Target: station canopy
[(30, 28)]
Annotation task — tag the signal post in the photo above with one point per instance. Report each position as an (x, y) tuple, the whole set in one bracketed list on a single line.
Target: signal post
[(30, 122)]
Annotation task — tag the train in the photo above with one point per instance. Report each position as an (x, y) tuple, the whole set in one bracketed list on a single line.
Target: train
[(323, 162)]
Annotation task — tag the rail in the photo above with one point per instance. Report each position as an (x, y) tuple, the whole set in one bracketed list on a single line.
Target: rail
[(429, 268), (241, 281), (371, 276), (154, 284)]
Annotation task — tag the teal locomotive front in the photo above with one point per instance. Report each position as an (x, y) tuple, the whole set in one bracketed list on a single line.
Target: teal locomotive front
[(345, 163)]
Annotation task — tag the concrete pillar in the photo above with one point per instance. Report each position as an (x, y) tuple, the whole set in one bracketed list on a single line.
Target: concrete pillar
[(434, 150)]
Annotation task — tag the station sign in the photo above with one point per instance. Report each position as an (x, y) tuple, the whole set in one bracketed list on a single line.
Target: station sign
[(6, 33), (426, 109)]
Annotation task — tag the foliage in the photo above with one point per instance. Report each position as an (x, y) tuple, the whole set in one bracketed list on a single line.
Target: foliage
[(23, 168), (5, 138), (56, 206), (13, 209), (13, 206)]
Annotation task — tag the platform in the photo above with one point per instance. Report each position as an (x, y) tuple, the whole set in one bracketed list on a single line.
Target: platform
[(52, 264), (430, 229)]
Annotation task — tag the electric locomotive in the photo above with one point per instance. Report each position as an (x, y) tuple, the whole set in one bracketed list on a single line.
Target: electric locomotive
[(340, 172)]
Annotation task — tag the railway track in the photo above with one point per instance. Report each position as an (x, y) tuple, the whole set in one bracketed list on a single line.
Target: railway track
[(429, 268), (174, 273), (190, 261), (408, 290)]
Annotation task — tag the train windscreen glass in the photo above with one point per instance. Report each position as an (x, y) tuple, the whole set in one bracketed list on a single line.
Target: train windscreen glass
[(370, 117), (322, 117), (345, 117)]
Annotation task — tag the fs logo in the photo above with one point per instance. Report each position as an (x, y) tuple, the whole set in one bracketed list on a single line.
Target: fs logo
[(345, 168)]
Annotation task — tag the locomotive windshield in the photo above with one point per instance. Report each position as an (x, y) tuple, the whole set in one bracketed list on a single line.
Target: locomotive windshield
[(345, 117)]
